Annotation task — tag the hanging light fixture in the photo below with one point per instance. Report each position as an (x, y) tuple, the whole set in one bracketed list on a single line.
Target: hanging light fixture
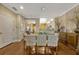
[(43, 8)]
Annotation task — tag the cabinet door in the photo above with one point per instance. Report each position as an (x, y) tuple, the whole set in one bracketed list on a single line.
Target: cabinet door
[(72, 39)]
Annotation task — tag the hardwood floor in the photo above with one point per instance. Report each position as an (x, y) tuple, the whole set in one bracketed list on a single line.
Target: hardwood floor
[(18, 48), (65, 50)]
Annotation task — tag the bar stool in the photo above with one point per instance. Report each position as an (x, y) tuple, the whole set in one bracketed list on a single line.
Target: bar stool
[(41, 44), (30, 45)]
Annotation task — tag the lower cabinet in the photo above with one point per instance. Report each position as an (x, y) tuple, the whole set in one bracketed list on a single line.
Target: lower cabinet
[(72, 39), (69, 38)]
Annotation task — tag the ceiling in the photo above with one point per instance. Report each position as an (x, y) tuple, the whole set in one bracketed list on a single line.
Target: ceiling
[(34, 10)]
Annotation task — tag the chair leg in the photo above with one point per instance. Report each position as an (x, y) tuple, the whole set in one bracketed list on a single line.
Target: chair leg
[(55, 53)]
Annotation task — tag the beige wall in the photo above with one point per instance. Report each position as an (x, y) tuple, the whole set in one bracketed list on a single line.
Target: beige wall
[(20, 23), (68, 20), (13, 25)]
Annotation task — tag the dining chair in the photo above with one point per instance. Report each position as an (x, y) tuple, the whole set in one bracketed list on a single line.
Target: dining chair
[(53, 42), (30, 45), (41, 44)]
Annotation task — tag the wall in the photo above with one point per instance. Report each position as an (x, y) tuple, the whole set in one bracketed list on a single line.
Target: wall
[(10, 26), (42, 26), (20, 27), (68, 20)]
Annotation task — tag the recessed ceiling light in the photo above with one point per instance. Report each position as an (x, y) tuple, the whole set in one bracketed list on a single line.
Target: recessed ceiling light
[(21, 7)]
